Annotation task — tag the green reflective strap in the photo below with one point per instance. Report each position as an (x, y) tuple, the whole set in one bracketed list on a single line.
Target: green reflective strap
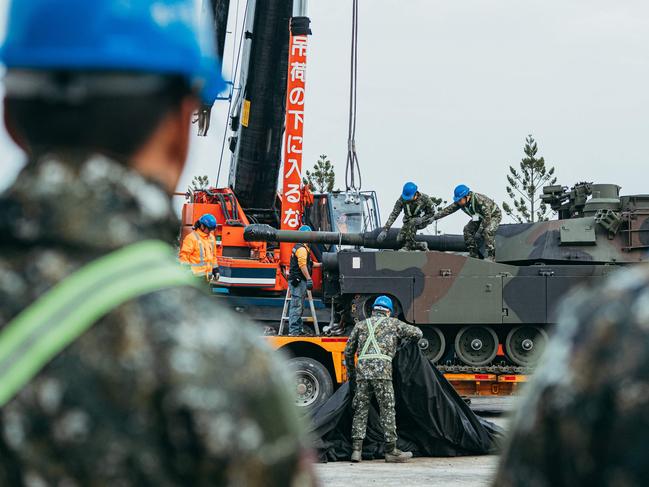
[(371, 341), (470, 211), (64, 313)]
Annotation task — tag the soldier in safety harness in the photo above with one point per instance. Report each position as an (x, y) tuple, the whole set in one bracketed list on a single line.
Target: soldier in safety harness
[(485, 218), (199, 247), (114, 369), (416, 207), (376, 340)]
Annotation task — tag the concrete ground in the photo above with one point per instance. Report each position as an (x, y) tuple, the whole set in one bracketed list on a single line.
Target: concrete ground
[(458, 471)]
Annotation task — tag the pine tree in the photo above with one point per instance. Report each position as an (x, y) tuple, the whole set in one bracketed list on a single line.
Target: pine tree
[(523, 186), (323, 178)]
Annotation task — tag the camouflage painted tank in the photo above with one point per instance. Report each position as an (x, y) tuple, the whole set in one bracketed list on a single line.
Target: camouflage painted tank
[(477, 314)]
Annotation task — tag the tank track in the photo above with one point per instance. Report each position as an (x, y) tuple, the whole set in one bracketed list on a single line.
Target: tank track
[(487, 369)]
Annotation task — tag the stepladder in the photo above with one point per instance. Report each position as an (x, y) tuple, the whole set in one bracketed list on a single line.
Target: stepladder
[(313, 319)]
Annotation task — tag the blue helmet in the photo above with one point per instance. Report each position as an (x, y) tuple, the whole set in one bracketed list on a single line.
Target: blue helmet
[(460, 192), (166, 37), (383, 302), (409, 190), (208, 220), (305, 228)]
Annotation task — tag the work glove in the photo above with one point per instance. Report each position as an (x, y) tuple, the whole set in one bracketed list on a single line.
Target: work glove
[(382, 236), (309, 284), (419, 221)]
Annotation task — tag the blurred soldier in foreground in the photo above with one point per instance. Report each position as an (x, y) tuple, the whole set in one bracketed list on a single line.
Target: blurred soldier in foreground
[(417, 208), (164, 387), (584, 420), (376, 340), (485, 218)]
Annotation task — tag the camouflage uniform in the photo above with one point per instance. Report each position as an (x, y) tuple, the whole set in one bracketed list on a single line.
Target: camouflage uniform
[(585, 421), (421, 208), (374, 371), (485, 218), (167, 389)]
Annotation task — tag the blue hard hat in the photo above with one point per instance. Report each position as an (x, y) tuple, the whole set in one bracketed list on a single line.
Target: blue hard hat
[(166, 37), (305, 228), (384, 302), (208, 220), (460, 192), (409, 190)]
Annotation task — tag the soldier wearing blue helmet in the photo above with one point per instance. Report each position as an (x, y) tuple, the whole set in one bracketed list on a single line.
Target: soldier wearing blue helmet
[(115, 367), (376, 339), (417, 207), (485, 218)]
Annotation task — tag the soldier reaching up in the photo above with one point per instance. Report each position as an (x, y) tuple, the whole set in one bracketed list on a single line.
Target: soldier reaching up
[(376, 339), (485, 217)]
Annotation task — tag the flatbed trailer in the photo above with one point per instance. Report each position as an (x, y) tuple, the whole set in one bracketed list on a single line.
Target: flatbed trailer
[(319, 366)]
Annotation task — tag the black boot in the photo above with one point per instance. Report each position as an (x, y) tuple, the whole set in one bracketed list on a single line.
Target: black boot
[(394, 455)]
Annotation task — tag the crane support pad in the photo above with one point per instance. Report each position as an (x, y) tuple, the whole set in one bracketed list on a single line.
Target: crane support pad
[(432, 419)]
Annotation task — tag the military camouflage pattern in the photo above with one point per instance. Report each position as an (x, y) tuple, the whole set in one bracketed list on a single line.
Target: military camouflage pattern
[(415, 212), (384, 392), (421, 207), (485, 216), (480, 228), (584, 419), (406, 236), (387, 332), (167, 389), (514, 299), (479, 205)]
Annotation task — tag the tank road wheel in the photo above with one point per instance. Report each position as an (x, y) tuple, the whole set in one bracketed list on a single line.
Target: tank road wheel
[(525, 344), (361, 307), (433, 344), (476, 345), (313, 384)]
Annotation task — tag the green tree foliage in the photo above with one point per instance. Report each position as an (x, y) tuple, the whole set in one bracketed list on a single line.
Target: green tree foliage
[(525, 184), (322, 178)]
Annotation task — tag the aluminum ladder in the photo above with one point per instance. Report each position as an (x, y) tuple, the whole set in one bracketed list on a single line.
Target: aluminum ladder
[(287, 304)]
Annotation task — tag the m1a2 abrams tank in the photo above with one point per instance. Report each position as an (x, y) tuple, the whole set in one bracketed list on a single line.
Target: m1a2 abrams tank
[(477, 314)]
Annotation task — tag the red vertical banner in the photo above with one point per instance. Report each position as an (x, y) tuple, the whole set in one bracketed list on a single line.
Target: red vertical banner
[(293, 138)]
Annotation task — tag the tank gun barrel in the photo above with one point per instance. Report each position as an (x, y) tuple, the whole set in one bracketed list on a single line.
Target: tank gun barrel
[(266, 233)]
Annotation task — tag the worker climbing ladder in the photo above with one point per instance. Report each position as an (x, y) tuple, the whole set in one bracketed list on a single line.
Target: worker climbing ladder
[(287, 304)]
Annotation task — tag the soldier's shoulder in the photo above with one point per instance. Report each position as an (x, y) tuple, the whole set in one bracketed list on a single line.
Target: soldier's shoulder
[(361, 324), (207, 347), (484, 198)]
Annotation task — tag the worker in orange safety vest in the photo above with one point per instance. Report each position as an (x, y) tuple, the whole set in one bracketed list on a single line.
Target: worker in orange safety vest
[(198, 249)]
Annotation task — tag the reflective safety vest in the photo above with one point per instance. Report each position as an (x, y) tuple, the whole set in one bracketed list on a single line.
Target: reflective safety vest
[(44, 329), (410, 213), (371, 342), (470, 208), (206, 254)]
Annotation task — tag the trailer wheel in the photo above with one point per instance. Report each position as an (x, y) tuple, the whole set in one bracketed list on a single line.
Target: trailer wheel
[(313, 384)]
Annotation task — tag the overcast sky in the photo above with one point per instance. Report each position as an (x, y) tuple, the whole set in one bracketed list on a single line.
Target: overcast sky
[(448, 91)]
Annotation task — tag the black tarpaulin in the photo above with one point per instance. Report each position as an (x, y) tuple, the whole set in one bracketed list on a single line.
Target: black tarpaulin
[(432, 419)]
